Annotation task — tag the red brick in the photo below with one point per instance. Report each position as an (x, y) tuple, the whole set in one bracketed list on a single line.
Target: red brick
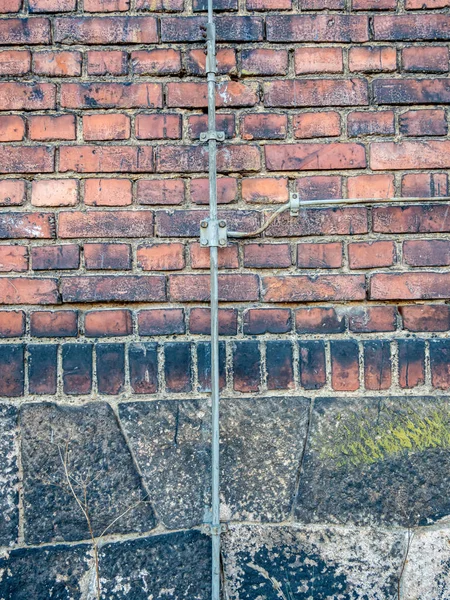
[(104, 323), (258, 321), (26, 225), (186, 223), (344, 365), (49, 128), (27, 96), (371, 123), (26, 159), (107, 192), (106, 127), (305, 288), (161, 321), (291, 93), (372, 319), (227, 190), (440, 364), (229, 29), (57, 64), (160, 191), (369, 255), (264, 127), (319, 187), (22, 290), (225, 58), (377, 365), (158, 127), (194, 159), (410, 286), (200, 321), (12, 192), (425, 59), (232, 288), (318, 60), (106, 159), (317, 28), (264, 61), (321, 221), (374, 4), (432, 154), (159, 62), (198, 124), (12, 323), (48, 258), (106, 30), (115, 257), (111, 95), (411, 363), (188, 94), (160, 5), (120, 288), (13, 258), (433, 317), (319, 256), (411, 219), (24, 31), (411, 91), (10, 6), (425, 185), (161, 257), (314, 125), (108, 224), (107, 62), (322, 4), (411, 27), (15, 62), (423, 122), (426, 253), (267, 256), (265, 190), (106, 5), (54, 192), (318, 320), (12, 128), (372, 59), (49, 6), (371, 186), (313, 157), (421, 4), (228, 258), (61, 323), (269, 4), (219, 5)]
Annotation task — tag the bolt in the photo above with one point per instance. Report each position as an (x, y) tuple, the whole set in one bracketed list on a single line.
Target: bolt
[(222, 224), (222, 243), (204, 224), (204, 242)]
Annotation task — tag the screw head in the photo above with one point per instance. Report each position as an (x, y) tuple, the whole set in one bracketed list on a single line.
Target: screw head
[(222, 243), (222, 224), (204, 224), (294, 196), (204, 243)]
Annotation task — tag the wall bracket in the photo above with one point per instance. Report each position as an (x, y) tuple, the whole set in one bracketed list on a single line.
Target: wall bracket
[(213, 232), (219, 136)]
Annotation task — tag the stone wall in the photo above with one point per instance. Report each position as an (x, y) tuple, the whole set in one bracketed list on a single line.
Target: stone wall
[(334, 356)]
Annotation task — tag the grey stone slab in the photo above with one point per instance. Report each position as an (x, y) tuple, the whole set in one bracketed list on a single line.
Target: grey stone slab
[(176, 565), (9, 495), (99, 462), (262, 440), (377, 461), (312, 563), (58, 572)]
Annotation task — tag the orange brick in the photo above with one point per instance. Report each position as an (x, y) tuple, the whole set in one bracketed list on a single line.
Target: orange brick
[(227, 257), (47, 128), (12, 193), (156, 62), (368, 255), (161, 257), (318, 60), (107, 192), (57, 64), (265, 189), (13, 258), (313, 125), (160, 191), (106, 5), (106, 127), (100, 323), (158, 127), (12, 323), (371, 186), (15, 62), (371, 60), (107, 62), (12, 128), (54, 192)]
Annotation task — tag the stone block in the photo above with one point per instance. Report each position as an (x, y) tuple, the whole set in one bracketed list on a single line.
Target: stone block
[(9, 476)]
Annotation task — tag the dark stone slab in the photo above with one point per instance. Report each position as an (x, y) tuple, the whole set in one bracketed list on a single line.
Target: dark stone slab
[(176, 566), (98, 460), (9, 495), (262, 441), (377, 460), (59, 572), (292, 563)]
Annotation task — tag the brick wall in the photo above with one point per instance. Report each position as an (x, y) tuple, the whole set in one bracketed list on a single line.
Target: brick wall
[(104, 286)]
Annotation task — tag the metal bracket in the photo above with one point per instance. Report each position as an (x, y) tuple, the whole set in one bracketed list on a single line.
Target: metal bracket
[(219, 136), (294, 204), (213, 233), (209, 529)]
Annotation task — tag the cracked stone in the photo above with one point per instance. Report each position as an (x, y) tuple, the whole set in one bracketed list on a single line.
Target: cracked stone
[(176, 565), (9, 495), (313, 563), (377, 461), (262, 441), (88, 438), (59, 572)]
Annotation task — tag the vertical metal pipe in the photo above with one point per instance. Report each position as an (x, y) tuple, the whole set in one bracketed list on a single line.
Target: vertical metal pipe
[(212, 142)]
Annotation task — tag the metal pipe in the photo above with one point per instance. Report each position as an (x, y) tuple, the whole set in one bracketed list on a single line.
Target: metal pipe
[(215, 399)]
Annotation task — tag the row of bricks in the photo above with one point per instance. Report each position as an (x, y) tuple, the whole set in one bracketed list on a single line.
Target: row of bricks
[(341, 28), (420, 154), (119, 192), (247, 372), (49, 6), (175, 256), (246, 62), (278, 93), (254, 321), (237, 287), (252, 126)]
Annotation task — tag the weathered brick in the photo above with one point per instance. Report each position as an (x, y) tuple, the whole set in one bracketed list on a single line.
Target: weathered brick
[(103, 288), (57, 64), (116, 257), (105, 30), (228, 257), (312, 366), (265, 190), (107, 62), (194, 159), (158, 127), (54, 192), (106, 159), (410, 286), (11, 370), (412, 27), (200, 321), (106, 323), (318, 187), (107, 192), (421, 317), (308, 157), (306, 288), (421, 4), (109, 224), (258, 321), (186, 223), (15, 62), (279, 365), (195, 61), (318, 60), (160, 191), (161, 257), (143, 361), (411, 91), (377, 365), (159, 61), (106, 5), (54, 257), (27, 96), (51, 6), (227, 190), (246, 366), (160, 5), (372, 59), (21, 290), (61, 323), (318, 320), (291, 93), (77, 368), (321, 221), (344, 365), (264, 61), (106, 127), (161, 321), (319, 256), (12, 323), (229, 29), (198, 124), (371, 186), (12, 128), (24, 31), (220, 5), (269, 4), (411, 363), (372, 319), (110, 363), (371, 123), (369, 255), (423, 122), (232, 288), (425, 185), (426, 253), (314, 125), (262, 126), (10, 6), (425, 59), (317, 28), (267, 256), (42, 368), (432, 154), (204, 366), (26, 159), (13, 258), (26, 225), (111, 95), (177, 366), (431, 218), (12, 192), (50, 128), (189, 94)]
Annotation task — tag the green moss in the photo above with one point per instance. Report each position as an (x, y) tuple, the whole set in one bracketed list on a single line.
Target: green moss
[(362, 440)]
